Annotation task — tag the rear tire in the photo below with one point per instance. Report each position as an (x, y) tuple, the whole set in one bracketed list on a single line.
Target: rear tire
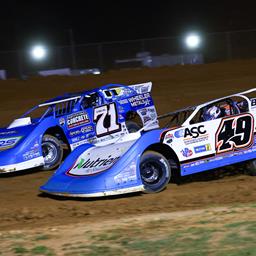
[(52, 152), (155, 171)]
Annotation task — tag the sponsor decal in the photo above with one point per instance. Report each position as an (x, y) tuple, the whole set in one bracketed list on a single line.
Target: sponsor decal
[(144, 88), (8, 132), (179, 133), (127, 175), (169, 136), (144, 111), (62, 121), (146, 119), (77, 119), (75, 139), (123, 102), (90, 134), (195, 135), (94, 166), (75, 133), (140, 100), (6, 143), (196, 140), (194, 132), (186, 152), (202, 148), (149, 112), (31, 154), (87, 129)]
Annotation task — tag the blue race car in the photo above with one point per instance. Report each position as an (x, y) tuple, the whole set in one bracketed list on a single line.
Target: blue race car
[(51, 130), (211, 135)]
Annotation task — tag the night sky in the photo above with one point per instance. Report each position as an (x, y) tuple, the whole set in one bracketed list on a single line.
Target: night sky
[(26, 22)]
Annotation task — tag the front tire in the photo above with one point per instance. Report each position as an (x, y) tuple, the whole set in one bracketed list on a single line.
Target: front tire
[(52, 152), (155, 171)]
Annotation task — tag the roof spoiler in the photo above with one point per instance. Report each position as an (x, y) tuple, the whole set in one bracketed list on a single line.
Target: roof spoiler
[(142, 88)]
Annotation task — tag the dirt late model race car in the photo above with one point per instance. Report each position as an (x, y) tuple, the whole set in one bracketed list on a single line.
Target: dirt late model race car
[(215, 134), (43, 134)]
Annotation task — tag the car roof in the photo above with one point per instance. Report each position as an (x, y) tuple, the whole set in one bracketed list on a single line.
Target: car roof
[(72, 96)]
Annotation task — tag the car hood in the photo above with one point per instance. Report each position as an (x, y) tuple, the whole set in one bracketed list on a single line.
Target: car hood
[(9, 137)]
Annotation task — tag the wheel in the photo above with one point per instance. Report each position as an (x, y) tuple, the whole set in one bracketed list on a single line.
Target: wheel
[(250, 167), (132, 126), (52, 152), (155, 171)]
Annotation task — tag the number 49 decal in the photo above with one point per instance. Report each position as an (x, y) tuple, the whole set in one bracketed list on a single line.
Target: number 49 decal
[(235, 132), (106, 118)]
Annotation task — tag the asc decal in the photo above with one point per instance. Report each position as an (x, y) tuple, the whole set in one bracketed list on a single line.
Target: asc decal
[(194, 132), (77, 119)]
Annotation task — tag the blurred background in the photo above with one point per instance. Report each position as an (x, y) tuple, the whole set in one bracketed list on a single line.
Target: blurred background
[(84, 37)]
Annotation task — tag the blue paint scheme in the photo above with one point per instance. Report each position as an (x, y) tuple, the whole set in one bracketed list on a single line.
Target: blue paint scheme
[(56, 116), (60, 182), (218, 160)]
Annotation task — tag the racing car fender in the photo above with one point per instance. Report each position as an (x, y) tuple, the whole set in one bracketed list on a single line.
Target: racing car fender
[(121, 177)]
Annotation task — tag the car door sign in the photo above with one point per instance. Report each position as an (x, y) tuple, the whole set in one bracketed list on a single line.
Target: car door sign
[(234, 133), (106, 119)]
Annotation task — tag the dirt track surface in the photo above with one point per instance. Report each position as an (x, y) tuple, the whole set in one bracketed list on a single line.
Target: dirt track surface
[(23, 207)]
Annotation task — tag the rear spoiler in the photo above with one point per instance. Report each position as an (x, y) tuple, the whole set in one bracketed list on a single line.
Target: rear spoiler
[(142, 88)]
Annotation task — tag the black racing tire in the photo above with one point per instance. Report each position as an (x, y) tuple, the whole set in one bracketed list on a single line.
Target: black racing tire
[(52, 152), (155, 171), (250, 167), (132, 126)]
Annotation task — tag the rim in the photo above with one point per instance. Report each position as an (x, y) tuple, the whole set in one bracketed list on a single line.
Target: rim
[(50, 152), (151, 172)]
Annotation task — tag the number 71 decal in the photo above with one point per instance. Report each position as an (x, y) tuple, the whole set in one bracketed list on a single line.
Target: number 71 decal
[(235, 132), (106, 119)]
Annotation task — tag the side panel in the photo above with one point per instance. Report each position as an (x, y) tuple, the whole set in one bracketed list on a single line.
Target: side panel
[(213, 144)]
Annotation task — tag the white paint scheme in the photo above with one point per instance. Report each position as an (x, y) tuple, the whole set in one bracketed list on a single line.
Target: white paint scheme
[(24, 165), (179, 143), (100, 194), (20, 122)]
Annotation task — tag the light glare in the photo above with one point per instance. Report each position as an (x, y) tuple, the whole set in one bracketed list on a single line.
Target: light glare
[(193, 41), (38, 52)]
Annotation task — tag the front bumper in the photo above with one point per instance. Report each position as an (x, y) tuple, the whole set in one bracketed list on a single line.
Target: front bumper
[(39, 161)]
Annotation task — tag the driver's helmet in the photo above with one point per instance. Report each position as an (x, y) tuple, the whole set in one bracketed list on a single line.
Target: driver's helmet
[(212, 113), (243, 106)]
